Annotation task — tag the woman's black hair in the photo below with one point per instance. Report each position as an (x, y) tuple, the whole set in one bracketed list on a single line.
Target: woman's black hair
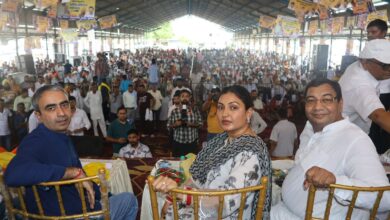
[(241, 93)]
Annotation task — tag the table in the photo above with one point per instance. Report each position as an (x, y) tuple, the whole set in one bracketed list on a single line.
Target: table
[(119, 180)]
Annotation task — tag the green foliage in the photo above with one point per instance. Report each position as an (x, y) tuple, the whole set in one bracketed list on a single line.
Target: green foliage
[(165, 32)]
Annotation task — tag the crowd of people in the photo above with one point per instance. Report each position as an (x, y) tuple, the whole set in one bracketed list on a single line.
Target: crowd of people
[(234, 94)]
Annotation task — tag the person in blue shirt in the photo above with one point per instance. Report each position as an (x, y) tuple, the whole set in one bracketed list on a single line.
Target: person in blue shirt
[(124, 85), (47, 154)]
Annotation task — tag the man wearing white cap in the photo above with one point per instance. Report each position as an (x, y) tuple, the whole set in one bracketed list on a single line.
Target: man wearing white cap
[(359, 86)]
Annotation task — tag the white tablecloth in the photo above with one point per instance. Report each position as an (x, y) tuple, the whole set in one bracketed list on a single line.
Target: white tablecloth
[(119, 175)]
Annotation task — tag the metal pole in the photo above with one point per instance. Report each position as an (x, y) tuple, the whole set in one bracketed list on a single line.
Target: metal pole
[(330, 51), (47, 47), (17, 46), (361, 40)]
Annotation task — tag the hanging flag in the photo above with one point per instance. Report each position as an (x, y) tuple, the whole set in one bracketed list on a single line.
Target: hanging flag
[(3, 21), (12, 19), (381, 14), (359, 6), (52, 11), (80, 9), (286, 26), (324, 26), (337, 24), (107, 21), (69, 35), (323, 12), (351, 21), (64, 24), (11, 5), (86, 25), (43, 4), (266, 21), (313, 27), (42, 24), (361, 21)]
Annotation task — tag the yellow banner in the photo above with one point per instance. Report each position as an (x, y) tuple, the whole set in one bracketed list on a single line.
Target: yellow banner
[(80, 9), (52, 12), (107, 21), (42, 24), (334, 3), (359, 6), (351, 21), (303, 7), (286, 26), (86, 25), (266, 22), (41, 4), (64, 24), (3, 20), (313, 27), (337, 25), (323, 12), (361, 21), (10, 5), (69, 35), (32, 43), (325, 26), (381, 14)]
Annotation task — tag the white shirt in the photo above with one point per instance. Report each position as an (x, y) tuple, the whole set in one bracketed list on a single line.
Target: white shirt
[(141, 151), (79, 100), (31, 92), (258, 104), (130, 99), (345, 150), (158, 98), (79, 120), (94, 102), (384, 86), (360, 95), (33, 122), (257, 123), (284, 133), (4, 128)]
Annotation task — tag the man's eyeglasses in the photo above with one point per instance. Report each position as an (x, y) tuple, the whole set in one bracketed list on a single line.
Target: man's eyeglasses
[(310, 101), (383, 65)]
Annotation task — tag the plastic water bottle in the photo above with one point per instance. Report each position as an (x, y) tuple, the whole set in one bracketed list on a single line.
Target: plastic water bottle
[(182, 158)]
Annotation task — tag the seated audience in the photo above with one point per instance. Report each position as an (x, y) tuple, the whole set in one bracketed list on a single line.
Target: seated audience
[(134, 149)]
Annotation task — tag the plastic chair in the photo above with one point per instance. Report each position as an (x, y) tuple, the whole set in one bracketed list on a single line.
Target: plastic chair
[(351, 206), (262, 189), (18, 192)]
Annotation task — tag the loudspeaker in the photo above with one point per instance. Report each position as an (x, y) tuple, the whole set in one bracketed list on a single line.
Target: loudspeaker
[(60, 57), (76, 61), (26, 63), (320, 57), (346, 61)]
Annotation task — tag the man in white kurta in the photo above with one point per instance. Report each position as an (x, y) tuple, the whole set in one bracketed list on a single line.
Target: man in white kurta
[(332, 150), (359, 86), (93, 101), (79, 122)]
